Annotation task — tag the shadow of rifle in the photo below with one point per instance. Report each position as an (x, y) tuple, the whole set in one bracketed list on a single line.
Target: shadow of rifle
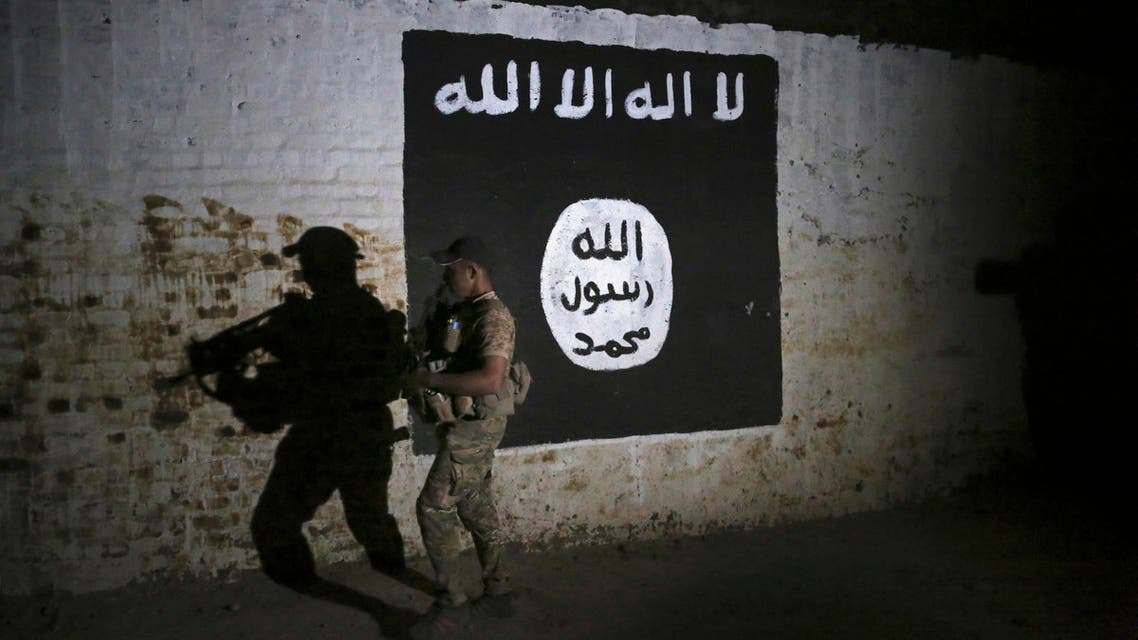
[(263, 395)]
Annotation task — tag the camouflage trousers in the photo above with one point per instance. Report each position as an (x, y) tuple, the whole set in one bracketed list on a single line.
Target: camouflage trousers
[(457, 496)]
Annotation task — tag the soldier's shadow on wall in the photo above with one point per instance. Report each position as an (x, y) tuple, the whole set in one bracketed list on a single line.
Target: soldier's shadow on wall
[(1075, 297), (324, 368)]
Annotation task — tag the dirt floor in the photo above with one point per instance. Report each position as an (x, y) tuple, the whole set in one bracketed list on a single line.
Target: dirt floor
[(1006, 560)]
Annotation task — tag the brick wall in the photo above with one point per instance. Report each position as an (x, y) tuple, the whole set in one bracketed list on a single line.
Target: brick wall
[(158, 155)]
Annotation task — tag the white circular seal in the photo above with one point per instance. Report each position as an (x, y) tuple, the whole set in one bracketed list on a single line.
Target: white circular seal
[(606, 284)]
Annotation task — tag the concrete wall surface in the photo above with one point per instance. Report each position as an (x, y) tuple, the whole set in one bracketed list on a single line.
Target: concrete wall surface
[(158, 154)]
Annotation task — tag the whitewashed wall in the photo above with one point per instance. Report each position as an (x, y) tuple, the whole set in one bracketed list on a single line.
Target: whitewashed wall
[(158, 154)]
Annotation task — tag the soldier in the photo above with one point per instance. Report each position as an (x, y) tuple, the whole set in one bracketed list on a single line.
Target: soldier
[(457, 493)]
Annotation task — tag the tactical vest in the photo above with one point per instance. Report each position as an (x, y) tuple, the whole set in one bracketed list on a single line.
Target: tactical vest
[(467, 358)]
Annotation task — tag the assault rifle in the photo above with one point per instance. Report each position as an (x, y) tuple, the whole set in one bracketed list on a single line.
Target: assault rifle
[(428, 349), (433, 344)]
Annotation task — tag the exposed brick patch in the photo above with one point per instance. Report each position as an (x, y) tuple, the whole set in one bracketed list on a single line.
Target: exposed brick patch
[(234, 220), (221, 278), (19, 269), (116, 551), (161, 232), (14, 465), (155, 201), (209, 523), (49, 304), (168, 419), (217, 311), (34, 336), (829, 423), (31, 371), (33, 444)]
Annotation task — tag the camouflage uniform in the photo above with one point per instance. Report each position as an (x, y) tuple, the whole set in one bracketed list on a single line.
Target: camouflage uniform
[(457, 492)]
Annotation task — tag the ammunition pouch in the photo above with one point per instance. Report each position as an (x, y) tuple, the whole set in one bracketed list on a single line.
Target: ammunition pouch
[(494, 406), (518, 380)]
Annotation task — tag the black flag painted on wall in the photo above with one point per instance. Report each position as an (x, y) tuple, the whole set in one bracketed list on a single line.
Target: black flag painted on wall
[(631, 197)]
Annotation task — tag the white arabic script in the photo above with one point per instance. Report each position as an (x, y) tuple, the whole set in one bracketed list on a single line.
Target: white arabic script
[(653, 99)]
